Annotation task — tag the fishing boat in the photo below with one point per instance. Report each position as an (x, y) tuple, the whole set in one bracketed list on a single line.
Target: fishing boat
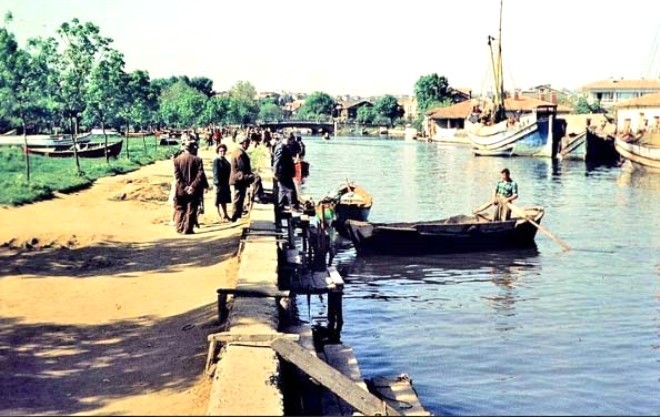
[(456, 234), (638, 134), (352, 202), (85, 150), (500, 129)]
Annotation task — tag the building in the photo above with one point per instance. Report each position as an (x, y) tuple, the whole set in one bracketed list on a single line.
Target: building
[(347, 111), (610, 92), (410, 109), (640, 112)]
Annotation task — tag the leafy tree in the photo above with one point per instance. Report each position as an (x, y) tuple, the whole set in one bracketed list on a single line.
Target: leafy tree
[(388, 107), (317, 104), (215, 110), (106, 91), (243, 107), (582, 106), (83, 46), (182, 105), (365, 114), (270, 111), (431, 90), (202, 84), (22, 79)]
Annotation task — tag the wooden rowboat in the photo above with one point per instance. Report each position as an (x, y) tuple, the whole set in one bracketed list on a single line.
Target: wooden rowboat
[(456, 234), (87, 150), (351, 202)]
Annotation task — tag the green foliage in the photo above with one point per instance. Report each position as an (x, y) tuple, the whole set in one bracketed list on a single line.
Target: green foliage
[(243, 107), (203, 85), (60, 174), (182, 105), (430, 89), (388, 107), (215, 110), (582, 106), (317, 104), (270, 111), (365, 114)]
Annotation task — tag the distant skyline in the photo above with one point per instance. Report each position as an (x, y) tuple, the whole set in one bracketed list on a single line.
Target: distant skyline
[(365, 48)]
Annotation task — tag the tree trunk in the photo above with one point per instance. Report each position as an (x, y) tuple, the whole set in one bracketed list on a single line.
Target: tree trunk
[(128, 155), (27, 153), (144, 143), (105, 137), (75, 144)]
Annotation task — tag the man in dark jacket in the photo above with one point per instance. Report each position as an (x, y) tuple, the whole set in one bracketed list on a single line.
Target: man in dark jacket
[(241, 177), (283, 171), (190, 178)]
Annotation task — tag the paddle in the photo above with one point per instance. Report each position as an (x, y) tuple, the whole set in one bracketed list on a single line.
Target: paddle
[(522, 213), (479, 209)]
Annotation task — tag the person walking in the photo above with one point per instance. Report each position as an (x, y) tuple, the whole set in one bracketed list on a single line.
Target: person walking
[(189, 176), (221, 173), (505, 192)]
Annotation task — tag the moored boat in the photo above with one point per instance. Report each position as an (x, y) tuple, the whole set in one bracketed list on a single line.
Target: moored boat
[(44, 141), (352, 202), (456, 234), (85, 150), (641, 154)]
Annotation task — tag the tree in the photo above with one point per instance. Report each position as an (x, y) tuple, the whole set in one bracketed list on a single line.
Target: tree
[(365, 114), (182, 105), (22, 80), (215, 110), (83, 46), (317, 104), (243, 107), (431, 90), (107, 90), (203, 85), (270, 111), (388, 107)]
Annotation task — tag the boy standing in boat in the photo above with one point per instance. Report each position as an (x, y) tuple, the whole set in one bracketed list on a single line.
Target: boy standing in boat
[(505, 192)]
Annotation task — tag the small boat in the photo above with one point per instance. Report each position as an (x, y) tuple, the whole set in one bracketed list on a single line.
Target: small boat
[(456, 234), (85, 150), (351, 202)]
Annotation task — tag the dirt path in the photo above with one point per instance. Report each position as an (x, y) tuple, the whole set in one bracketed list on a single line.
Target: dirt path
[(104, 308)]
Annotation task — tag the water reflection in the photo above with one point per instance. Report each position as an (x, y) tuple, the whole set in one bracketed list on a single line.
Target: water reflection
[(638, 179)]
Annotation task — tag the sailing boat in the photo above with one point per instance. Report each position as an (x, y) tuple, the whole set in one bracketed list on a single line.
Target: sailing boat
[(502, 129)]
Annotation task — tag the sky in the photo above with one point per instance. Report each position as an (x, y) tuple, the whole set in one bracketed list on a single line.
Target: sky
[(361, 47)]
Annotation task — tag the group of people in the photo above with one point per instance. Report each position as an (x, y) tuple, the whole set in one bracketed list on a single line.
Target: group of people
[(234, 179), (190, 183)]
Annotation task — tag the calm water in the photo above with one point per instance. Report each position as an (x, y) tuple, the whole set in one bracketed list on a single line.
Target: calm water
[(540, 331)]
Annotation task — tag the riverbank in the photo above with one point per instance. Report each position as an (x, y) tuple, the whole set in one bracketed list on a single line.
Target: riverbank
[(52, 175), (105, 309)]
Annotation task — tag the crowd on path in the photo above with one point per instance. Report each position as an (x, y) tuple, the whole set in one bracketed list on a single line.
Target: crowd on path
[(234, 180)]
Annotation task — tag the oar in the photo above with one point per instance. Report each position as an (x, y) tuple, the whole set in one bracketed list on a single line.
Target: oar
[(482, 208), (522, 213)]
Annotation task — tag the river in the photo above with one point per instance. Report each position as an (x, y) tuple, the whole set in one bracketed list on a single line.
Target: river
[(542, 331)]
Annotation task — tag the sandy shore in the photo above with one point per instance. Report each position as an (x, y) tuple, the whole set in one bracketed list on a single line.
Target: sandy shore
[(104, 308)]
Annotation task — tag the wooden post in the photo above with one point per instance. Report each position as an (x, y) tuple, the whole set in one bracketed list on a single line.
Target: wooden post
[(335, 314), (363, 401)]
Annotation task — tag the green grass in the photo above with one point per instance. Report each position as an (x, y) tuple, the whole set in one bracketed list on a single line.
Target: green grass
[(48, 175)]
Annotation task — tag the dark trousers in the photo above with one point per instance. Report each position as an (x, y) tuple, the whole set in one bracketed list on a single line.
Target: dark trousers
[(185, 213), (238, 201)]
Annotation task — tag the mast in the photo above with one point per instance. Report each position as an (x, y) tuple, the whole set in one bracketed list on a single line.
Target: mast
[(499, 104)]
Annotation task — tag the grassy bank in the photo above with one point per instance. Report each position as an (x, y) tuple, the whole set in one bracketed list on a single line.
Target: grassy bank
[(49, 175)]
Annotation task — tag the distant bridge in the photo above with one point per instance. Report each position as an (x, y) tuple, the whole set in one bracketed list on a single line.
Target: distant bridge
[(315, 127)]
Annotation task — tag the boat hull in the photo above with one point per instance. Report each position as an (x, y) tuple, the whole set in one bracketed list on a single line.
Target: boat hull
[(642, 156), (467, 234), (533, 135), (90, 150)]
